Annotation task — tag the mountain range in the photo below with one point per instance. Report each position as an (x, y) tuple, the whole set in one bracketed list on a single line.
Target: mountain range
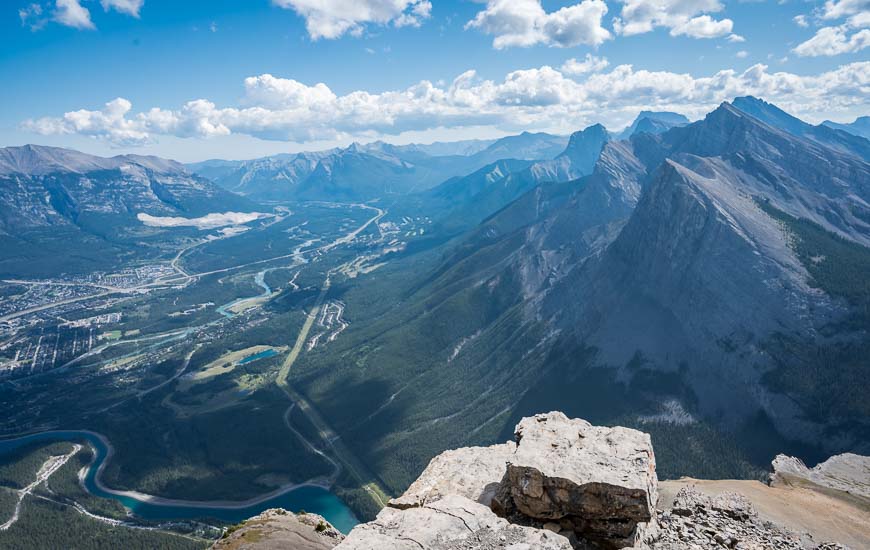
[(716, 268), (715, 273), (860, 127), (57, 201), (375, 170)]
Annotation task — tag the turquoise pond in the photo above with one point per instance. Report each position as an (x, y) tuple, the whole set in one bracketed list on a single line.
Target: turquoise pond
[(308, 498), (261, 355)]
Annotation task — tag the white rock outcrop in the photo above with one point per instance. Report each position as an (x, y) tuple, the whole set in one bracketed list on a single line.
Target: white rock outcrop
[(563, 483)]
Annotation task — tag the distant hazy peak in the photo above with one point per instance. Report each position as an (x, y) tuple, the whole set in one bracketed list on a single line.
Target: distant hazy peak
[(860, 127), (40, 160), (654, 122), (587, 142)]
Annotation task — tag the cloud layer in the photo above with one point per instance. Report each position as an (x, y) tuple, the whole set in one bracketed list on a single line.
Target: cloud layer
[(71, 13), (526, 23), (682, 17), (538, 98), (852, 35), (333, 18)]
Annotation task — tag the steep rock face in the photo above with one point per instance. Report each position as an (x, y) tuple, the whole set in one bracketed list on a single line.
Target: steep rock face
[(702, 275), (578, 158), (673, 290), (802, 177)]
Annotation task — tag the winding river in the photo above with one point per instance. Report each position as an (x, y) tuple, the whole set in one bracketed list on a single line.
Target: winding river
[(260, 280), (308, 497)]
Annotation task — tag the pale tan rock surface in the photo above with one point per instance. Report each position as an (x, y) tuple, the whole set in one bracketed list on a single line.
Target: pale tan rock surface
[(471, 472), (278, 529), (450, 523)]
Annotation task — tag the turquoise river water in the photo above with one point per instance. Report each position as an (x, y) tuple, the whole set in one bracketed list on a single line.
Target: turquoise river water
[(309, 498)]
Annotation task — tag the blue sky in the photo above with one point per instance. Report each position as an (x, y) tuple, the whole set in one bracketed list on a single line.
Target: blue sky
[(199, 79)]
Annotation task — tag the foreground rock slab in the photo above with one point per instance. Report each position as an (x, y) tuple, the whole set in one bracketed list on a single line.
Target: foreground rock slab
[(450, 523), (565, 484), (472, 472), (597, 482)]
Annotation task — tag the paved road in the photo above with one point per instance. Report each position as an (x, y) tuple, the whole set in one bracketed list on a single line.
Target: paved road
[(349, 460)]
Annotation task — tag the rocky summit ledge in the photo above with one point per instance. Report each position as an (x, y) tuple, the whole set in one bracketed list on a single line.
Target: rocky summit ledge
[(279, 529), (562, 484)]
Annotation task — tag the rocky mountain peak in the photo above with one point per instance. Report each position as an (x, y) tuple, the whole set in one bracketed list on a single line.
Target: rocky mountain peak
[(654, 122), (583, 150), (775, 117)]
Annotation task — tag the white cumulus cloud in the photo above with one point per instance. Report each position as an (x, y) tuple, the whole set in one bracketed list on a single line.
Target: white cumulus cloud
[(72, 14), (130, 7), (850, 37), (836, 9), (590, 64), (333, 18), (681, 17), (526, 23)]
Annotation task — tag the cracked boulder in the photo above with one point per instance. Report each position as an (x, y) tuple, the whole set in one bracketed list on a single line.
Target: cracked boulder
[(597, 482), (452, 522)]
